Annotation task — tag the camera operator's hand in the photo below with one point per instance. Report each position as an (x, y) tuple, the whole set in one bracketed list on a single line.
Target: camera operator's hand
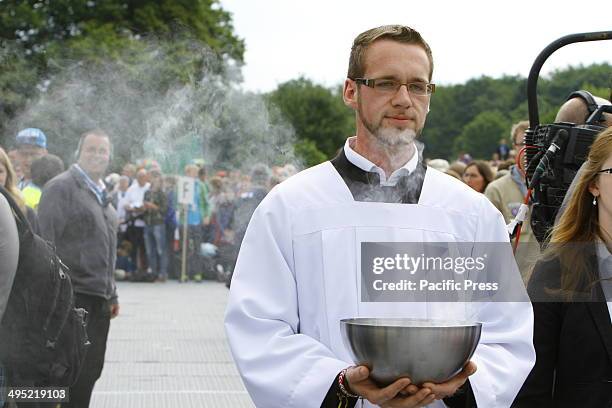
[(450, 387), (396, 395)]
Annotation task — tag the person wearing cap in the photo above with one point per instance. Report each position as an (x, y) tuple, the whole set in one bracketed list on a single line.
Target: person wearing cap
[(31, 145)]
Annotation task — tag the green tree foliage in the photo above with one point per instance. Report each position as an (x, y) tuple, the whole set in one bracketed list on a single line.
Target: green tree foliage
[(556, 87), (18, 81), (470, 117), (455, 107), (141, 64), (307, 151), (317, 114), (42, 25), (161, 44), (478, 136)]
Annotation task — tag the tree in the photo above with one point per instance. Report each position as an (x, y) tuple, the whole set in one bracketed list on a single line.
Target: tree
[(444, 122), (481, 135), (50, 26), (316, 113), (123, 52), (308, 152), (18, 82), (562, 82), (453, 107)]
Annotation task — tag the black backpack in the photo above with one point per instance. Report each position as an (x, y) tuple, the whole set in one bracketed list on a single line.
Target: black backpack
[(43, 338)]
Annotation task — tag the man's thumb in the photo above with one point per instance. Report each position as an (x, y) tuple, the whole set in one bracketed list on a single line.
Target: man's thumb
[(356, 374)]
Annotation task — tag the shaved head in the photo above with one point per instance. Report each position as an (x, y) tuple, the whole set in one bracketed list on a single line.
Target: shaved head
[(575, 111)]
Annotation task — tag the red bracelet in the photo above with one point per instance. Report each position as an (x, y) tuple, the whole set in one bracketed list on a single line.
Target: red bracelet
[(343, 387)]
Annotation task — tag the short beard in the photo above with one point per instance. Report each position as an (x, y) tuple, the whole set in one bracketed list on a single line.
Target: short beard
[(392, 138)]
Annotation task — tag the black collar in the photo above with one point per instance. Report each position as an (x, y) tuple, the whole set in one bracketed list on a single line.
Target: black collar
[(365, 185)]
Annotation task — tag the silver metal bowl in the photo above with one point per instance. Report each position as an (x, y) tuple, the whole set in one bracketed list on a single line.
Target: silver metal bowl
[(420, 349)]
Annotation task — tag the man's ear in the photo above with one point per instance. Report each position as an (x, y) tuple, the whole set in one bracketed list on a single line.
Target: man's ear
[(349, 94)]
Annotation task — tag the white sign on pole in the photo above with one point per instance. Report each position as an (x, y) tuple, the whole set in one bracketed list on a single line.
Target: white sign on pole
[(186, 190)]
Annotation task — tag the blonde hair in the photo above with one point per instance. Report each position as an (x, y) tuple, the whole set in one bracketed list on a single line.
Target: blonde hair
[(579, 224), (11, 181), (521, 126), (399, 33)]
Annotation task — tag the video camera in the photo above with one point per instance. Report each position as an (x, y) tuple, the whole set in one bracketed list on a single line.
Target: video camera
[(555, 152)]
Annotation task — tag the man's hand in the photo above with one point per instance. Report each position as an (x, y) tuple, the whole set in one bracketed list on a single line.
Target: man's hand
[(114, 310), (392, 396), (228, 235), (451, 386), (147, 205)]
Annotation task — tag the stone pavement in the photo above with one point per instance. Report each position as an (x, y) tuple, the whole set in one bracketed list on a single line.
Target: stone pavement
[(167, 349)]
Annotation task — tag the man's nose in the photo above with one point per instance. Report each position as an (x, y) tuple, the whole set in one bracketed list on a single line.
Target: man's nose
[(402, 97)]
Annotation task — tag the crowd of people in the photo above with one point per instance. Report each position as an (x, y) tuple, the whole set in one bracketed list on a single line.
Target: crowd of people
[(151, 219), (105, 227), (479, 173), (149, 241), (149, 237)]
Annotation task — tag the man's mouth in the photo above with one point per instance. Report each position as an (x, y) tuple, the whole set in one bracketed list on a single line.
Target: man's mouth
[(399, 118)]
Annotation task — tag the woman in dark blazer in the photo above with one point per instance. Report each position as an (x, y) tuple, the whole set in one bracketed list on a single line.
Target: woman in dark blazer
[(570, 288)]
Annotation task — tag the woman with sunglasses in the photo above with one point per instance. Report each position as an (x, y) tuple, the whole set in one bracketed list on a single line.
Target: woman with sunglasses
[(571, 288)]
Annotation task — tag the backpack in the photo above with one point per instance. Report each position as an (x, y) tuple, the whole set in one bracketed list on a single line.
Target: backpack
[(43, 338)]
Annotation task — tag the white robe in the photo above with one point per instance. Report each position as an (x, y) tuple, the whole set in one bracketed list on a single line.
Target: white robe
[(298, 275)]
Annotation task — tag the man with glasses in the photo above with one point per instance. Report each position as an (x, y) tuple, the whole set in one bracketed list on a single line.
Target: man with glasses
[(507, 194), (298, 272)]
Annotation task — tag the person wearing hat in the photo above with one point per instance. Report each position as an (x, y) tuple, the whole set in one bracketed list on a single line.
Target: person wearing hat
[(31, 145)]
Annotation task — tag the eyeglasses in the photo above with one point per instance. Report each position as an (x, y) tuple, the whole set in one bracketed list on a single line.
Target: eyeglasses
[(384, 85), (609, 171)]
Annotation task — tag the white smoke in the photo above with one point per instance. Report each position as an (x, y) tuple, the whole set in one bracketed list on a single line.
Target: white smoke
[(149, 111)]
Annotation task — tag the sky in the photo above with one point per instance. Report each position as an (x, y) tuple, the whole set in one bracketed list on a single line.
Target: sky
[(287, 38)]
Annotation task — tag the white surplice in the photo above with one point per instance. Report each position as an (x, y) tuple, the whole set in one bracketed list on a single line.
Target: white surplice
[(298, 274)]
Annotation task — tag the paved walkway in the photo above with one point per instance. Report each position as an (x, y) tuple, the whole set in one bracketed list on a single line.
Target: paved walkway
[(168, 349)]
